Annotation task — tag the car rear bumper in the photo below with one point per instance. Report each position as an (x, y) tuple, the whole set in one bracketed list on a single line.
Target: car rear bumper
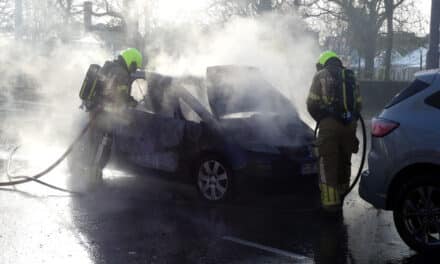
[(367, 193)]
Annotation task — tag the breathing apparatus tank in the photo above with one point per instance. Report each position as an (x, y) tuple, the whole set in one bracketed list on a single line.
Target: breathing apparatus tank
[(91, 87)]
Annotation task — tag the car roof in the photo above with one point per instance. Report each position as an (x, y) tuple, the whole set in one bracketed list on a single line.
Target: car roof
[(427, 76)]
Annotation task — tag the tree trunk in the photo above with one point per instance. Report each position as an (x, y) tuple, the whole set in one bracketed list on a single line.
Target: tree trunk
[(18, 18), (264, 6), (389, 10), (364, 31), (370, 52), (67, 12), (432, 58), (88, 7), (131, 23)]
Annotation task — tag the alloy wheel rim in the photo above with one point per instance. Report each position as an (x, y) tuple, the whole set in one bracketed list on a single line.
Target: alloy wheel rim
[(421, 214), (213, 180)]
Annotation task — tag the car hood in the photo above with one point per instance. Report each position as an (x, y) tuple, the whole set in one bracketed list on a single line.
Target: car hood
[(238, 89), (255, 129)]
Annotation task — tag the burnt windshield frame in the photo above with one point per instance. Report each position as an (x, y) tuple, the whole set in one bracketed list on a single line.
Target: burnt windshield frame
[(415, 87)]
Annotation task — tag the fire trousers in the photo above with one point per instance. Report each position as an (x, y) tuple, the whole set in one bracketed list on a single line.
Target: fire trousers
[(336, 142)]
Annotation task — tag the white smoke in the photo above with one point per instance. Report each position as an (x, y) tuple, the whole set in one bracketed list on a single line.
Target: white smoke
[(39, 93), (279, 45)]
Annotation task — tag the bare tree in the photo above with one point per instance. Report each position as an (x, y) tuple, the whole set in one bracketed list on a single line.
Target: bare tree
[(66, 7), (389, 13), (109, 10), (259, 7), (69, 9), (247, 8), (364, 20), (403, 20), (6, 15)]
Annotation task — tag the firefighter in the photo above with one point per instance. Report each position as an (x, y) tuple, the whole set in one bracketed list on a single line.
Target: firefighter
[(334, 102), (111, 94)]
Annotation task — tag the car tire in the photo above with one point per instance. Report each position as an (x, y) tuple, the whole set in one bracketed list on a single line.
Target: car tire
[(85, 174), (417, 214), (214, 179)]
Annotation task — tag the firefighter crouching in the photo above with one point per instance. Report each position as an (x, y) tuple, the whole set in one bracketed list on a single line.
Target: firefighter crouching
[(105, 93), (334, 102)]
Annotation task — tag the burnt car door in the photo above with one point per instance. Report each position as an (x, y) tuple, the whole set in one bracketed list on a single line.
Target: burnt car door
[(154, 129)]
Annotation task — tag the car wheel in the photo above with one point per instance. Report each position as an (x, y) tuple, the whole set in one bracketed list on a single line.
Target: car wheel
[(214, 179), (417, 214)]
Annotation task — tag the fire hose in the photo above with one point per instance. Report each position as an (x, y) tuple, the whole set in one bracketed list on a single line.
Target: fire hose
[(20, 179), (364, 152)]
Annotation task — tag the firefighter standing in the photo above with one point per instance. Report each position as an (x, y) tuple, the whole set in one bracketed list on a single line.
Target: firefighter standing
[(334, 102), (105, 94)]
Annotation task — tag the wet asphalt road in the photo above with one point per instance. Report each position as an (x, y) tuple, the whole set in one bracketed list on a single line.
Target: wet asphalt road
[(138, 218)]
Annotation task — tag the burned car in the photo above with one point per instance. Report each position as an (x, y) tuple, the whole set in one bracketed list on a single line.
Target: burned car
[(220, 132)]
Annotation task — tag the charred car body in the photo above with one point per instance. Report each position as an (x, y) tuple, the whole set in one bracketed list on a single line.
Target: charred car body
[(220, 132)]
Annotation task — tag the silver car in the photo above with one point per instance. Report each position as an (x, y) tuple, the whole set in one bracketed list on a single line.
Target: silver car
[(404, 162)]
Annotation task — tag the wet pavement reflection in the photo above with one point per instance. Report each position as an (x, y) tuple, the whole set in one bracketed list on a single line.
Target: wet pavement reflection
[(138, 217)]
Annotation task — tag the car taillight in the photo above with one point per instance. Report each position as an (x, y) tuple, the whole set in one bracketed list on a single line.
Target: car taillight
[(382, 127)]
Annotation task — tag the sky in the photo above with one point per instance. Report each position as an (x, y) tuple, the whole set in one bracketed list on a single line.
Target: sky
[(171, 11), (425, 7)]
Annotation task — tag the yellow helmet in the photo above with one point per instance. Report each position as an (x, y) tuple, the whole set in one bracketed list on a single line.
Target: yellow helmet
[(130, 56)]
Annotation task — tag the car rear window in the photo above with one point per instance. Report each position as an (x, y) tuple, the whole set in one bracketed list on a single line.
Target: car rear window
[(415, 87), (433, 100)]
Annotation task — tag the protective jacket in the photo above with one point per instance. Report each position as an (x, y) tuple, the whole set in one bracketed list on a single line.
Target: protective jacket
[(116, 84), (334, 93)]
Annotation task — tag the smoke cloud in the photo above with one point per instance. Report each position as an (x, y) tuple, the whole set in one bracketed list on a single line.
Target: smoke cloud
[(39, 94), (279, 45)]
